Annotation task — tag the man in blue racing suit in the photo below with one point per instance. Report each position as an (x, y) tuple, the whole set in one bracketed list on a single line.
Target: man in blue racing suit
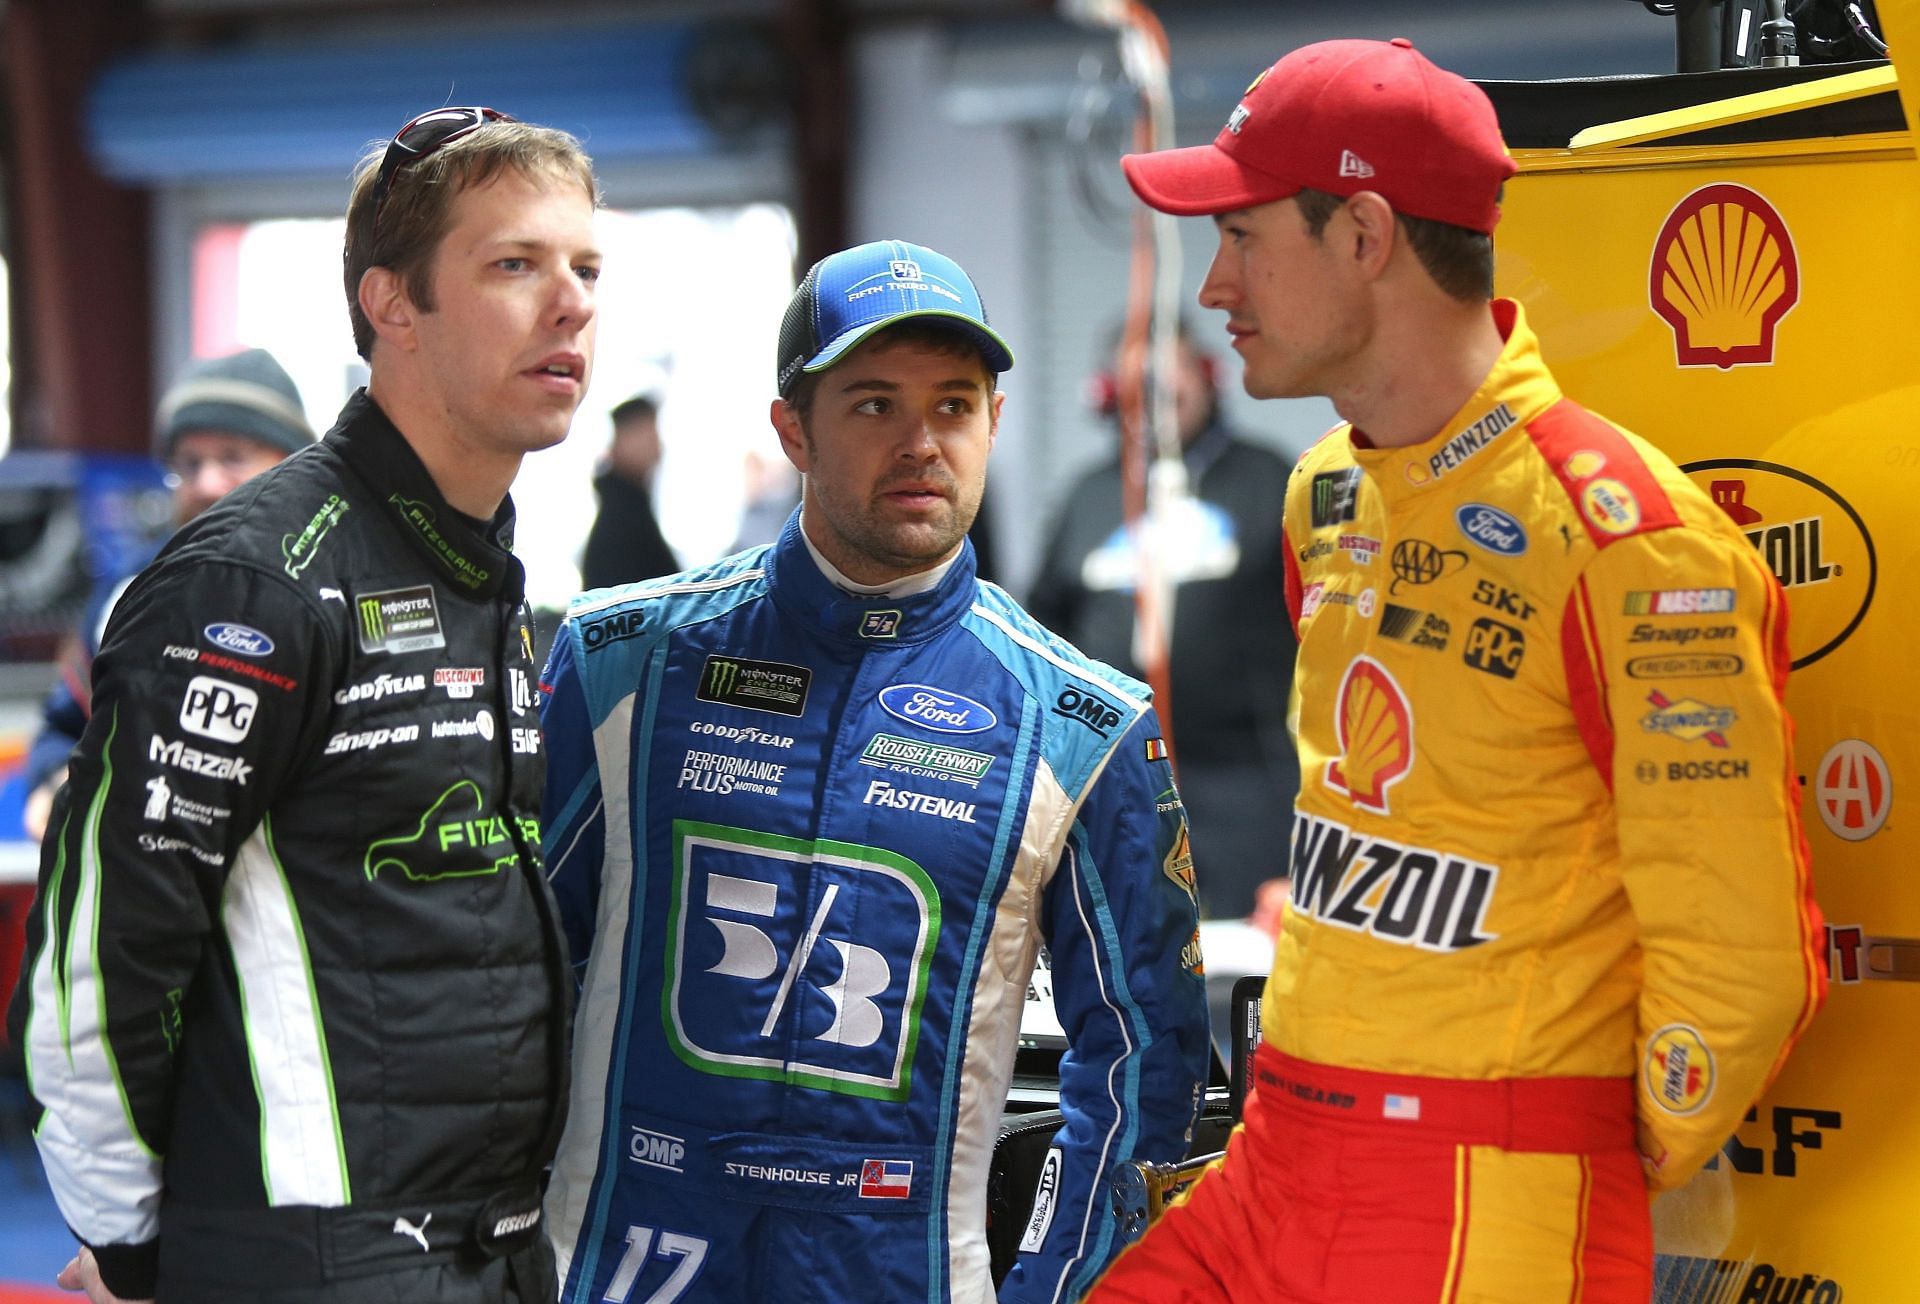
[(811, 812)]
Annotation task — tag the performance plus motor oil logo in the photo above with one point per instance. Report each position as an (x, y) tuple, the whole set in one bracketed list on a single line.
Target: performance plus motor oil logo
[(1376, 735), (1723, 273), (1810, 537)]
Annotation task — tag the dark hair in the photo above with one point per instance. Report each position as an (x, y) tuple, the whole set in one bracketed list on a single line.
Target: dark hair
[(640, 405), (1459, 260), (418, 208), (927, 332)]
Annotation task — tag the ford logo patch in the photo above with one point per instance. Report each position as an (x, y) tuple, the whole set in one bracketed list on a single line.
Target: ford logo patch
[(1492, 529), (238, 638), (936, 709)]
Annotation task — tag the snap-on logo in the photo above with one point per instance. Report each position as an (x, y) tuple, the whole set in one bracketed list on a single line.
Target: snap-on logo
[(238, 638), (936, 709)]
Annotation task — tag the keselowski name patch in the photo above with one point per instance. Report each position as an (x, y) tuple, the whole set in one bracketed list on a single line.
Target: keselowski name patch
[(1406, 895), (755, 685)]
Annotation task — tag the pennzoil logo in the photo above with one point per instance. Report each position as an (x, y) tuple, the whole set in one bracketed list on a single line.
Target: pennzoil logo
[(1407, 895), (1723, 274), (1810, 537), (1678, 1069), (1376, 735)]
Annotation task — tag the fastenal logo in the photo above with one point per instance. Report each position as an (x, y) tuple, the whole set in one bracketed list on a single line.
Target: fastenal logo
[(1810, 537), (1376, 735), (1853, 790), (1678, 1070), (1722, 275)]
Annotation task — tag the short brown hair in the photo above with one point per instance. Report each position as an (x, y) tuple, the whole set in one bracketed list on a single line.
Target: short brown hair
[(1459, 260), (418, 207), (927, 332)]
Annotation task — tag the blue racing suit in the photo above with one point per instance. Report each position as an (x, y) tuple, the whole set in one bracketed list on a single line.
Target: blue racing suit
[(807, 844)]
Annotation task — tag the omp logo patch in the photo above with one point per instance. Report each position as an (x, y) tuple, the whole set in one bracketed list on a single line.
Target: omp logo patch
[(1375, 724), (1678, 1069), (1723, 274), (656, 1149), (1407, 895)]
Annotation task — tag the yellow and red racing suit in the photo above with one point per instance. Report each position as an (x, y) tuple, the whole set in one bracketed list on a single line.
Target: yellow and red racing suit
[(1547, 865)]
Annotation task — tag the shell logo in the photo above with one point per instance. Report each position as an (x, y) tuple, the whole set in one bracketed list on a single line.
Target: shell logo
[(1376, 735), (1724, 272), (1678, 1071), (1810, 537), (1853, 790), (1585, 463)]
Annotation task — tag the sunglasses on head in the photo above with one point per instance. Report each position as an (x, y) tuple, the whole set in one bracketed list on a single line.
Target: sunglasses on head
[(421, 137)]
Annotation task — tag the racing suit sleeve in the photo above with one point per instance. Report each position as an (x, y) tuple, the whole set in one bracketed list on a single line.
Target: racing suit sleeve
[(63, 719), (1122, 926), (201, 697), (1682, 710), (571, 812)]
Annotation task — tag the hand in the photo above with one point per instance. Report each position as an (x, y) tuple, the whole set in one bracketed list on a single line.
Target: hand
[(82, 1273), (39, 806)]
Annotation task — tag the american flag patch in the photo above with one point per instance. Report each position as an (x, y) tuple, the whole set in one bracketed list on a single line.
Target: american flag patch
[(1406, 1107), (886, 1179), (1156, 749)]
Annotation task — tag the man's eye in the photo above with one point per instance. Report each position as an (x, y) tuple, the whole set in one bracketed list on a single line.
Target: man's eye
[(589, 274), (873, 407), (955, 407), (512, 264)]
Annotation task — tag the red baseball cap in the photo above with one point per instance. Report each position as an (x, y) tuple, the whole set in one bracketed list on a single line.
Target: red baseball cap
[(1344, 116)]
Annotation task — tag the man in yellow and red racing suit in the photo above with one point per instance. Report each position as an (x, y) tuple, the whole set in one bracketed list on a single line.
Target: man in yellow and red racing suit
[(1552, 929)]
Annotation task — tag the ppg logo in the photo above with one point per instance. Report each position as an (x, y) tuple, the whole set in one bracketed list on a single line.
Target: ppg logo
[(215, 709), (656, 1150)]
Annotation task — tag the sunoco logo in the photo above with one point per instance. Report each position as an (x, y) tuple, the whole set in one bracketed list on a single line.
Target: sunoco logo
[(1810, 537), (755, 685)]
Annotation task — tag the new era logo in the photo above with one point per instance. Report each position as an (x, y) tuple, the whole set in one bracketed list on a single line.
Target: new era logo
[(905, 269), (1352, 165)]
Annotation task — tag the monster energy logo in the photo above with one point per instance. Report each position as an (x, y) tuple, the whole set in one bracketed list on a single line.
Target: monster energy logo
[(300, 549), (756, 685), (420, 517), (399, 620), (1334, 496)]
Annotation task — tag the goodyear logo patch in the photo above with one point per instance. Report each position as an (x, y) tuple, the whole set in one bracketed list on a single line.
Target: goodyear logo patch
[(1678, 1069)]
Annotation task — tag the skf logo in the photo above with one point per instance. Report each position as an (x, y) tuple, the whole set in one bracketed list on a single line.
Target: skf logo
[(1853, 790), (1723, 274), (1495, 647), (1376, 735), (1679, 1069)]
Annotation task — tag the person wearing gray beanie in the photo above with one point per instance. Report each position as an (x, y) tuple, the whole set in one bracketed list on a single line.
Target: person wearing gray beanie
[(224, 421)]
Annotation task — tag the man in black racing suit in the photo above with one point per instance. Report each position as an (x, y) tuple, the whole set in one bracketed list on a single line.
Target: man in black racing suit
[(294, 1004)]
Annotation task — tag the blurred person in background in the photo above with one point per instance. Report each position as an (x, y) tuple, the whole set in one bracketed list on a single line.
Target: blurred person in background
[(812, 812), (295, 1001), (224, 421), (625, 543), (1233, 647)]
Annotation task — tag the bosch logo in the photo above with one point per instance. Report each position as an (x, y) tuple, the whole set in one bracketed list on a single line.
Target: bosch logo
[(1492, 529), (246, 641)]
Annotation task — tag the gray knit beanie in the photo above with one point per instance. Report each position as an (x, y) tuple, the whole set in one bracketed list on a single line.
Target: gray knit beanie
[(246, 394)]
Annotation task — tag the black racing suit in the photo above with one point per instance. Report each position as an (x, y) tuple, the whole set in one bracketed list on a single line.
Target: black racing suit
[(293, 983)]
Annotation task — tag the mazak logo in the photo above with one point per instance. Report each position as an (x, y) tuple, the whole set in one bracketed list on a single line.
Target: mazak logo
[(1415, 561), (614, 627), (218, 710), (1407, 895), (1723, 274), (1811, 538), (657, 1149), (1089, 709), (243, 639), (772, 686), (171, 752), (1376, 735), (1678, 1071), (1491, 528), (399, 620), (1494, 647), (1689, 719), (1853, 790), (1335, 496)]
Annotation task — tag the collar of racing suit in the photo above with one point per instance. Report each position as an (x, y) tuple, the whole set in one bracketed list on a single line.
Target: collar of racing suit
[(863, 619), (1517, 389), (478, 562)]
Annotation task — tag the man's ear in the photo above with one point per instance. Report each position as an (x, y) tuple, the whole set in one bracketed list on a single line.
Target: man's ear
[(793, 439), (1374, 232), (383, 298), (993, 417)]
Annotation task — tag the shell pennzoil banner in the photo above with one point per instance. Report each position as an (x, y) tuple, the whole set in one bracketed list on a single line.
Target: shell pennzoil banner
[(1737, 281)]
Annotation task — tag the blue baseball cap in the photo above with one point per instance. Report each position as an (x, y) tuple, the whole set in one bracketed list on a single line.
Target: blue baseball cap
[(846, 297)]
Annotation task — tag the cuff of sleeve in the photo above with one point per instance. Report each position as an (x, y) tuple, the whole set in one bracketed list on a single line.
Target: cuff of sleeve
[(129, 1271)]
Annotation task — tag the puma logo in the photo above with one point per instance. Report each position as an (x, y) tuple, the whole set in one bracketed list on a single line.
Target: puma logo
[(401, 1227)]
